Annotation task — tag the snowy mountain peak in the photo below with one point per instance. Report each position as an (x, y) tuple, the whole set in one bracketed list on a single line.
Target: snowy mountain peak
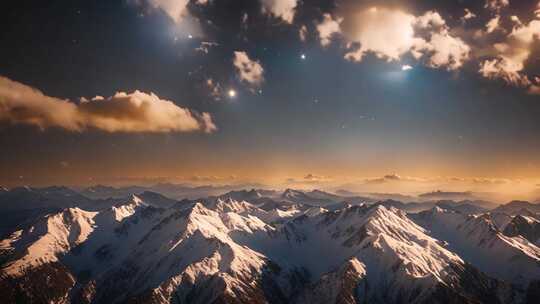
[(48, 238), (291, 193), (222, 250), (127, 209), (479, 242)]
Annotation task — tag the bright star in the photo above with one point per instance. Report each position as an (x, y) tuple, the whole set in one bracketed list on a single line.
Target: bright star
[(303, 56), (231, 93), (406, 67)]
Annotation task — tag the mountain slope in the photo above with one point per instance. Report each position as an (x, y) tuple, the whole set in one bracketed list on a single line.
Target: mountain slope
[(525, 226), (228, 251), (479, 242)]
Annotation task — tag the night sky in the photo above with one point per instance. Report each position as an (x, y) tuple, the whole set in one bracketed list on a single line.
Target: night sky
[(303, 111)]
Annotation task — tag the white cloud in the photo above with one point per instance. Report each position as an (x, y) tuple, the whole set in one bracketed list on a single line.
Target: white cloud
[(250, 71), (430, 19), (507, 68), (175, 9), (493, 24), (122, 112), (390, 33), (283, 9), (511, 55), (445, 50), (327, 28), (384, 32)]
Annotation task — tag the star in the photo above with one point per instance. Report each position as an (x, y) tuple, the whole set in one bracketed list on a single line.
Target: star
[(231, 93), (303, 56)]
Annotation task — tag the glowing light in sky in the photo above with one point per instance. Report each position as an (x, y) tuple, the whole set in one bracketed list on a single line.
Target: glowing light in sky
[(231, 93), (303, 56), (406, 67)]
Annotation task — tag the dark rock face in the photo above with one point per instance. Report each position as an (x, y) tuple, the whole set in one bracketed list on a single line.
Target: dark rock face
[(257, 290), (533, 293), (473, 286), (49, 283), (343, 286), (521, 226)]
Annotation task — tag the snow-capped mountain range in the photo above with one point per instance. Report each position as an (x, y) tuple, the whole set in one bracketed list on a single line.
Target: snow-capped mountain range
[(264, 247)]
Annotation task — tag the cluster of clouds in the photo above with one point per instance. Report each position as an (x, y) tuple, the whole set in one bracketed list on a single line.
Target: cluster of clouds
[(511, 55), (282, 9), (309, 179), (394, 177), (212, 178), (249, 71), (482, 181), (122, 112), (499, 49), (177, 10), (390, 34)]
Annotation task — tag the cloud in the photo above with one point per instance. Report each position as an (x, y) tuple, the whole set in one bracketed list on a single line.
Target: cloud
[(496, 5), (175, 9), (205, 46), (468, 15), (390, 33), (250, 71), (327, 28), (387, 33), (122, 112), (393, 178), (309, 179), (490, 181), (283, 9), (444, 50), (316, 178), (438, 44), (212, 178), (511, 55), (430, 19), (302, 33), (493, 24)]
